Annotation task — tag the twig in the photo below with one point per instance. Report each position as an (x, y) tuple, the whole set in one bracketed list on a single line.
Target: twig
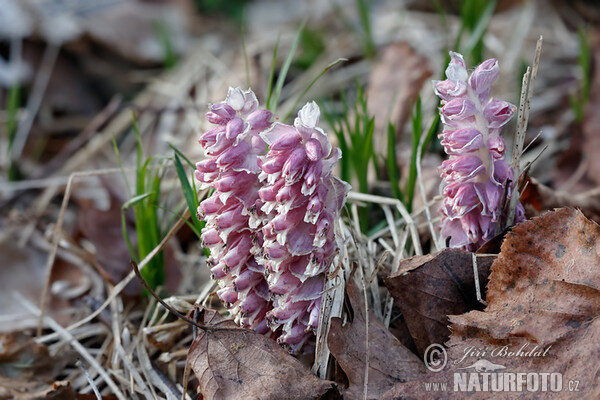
[(522, 120), (174, 311), (89, 378), (476, 275)]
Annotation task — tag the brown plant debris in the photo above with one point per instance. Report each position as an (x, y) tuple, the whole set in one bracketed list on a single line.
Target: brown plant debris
[(234, 363), (429, 288), (542, 317), (389, 362)]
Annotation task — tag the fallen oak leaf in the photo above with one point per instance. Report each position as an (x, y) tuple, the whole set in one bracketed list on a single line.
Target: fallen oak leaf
[(235, 363), (429, 288), (389, 361)]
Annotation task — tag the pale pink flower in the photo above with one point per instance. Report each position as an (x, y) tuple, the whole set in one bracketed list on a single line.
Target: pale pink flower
[(301, 201), (478, 180), (232, 212)]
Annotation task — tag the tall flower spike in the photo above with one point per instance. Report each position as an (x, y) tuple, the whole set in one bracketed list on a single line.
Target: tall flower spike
[(302, 201), (477, 180), (233, 211)]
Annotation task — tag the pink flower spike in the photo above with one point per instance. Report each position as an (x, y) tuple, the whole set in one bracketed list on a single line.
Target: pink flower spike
[(478, 182), (232, 211), (300, 240)]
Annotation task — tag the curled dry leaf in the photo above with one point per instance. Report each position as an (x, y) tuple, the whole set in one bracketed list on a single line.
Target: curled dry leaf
[(544, 308), (389, 362), (394, 84), (235, 363), (429, 288)]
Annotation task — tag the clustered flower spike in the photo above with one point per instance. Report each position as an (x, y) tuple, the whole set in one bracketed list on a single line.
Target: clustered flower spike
[(478, 181), (302, 201), (231, 215), (270, 221)]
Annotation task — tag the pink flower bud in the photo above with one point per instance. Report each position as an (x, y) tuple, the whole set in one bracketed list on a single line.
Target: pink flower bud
[(462, 141), (483, 77), (242, 101), (457, 69), (220, 113), (314, 151), (458, 109), (498, 113), (259, 119), (496, 146), (447, 89)]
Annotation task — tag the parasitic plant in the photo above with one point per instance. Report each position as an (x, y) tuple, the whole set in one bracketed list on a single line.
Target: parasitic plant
[(477, 179), (270, 223), (231, 169), (302, 202)]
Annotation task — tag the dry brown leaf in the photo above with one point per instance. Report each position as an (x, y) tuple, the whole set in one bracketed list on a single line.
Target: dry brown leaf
[(27, 371), (548, 267), (23, 269), (544, 298), (389, 361), (28, 390), (22, 358), (538, 198), (236, 363), (394, 84), (429, 288)]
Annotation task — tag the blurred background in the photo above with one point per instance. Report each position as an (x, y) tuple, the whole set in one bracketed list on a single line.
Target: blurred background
[(107, 89)]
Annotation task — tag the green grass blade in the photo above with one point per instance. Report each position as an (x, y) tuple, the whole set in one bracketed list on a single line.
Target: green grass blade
[(180, 154), (299, 98), (191, 197), (392, 165), (135, 200), (131, 202), (274, 99), (433, 128), (417, 123), (272, 75), (364, 14), (478, 31), (120, 162)]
